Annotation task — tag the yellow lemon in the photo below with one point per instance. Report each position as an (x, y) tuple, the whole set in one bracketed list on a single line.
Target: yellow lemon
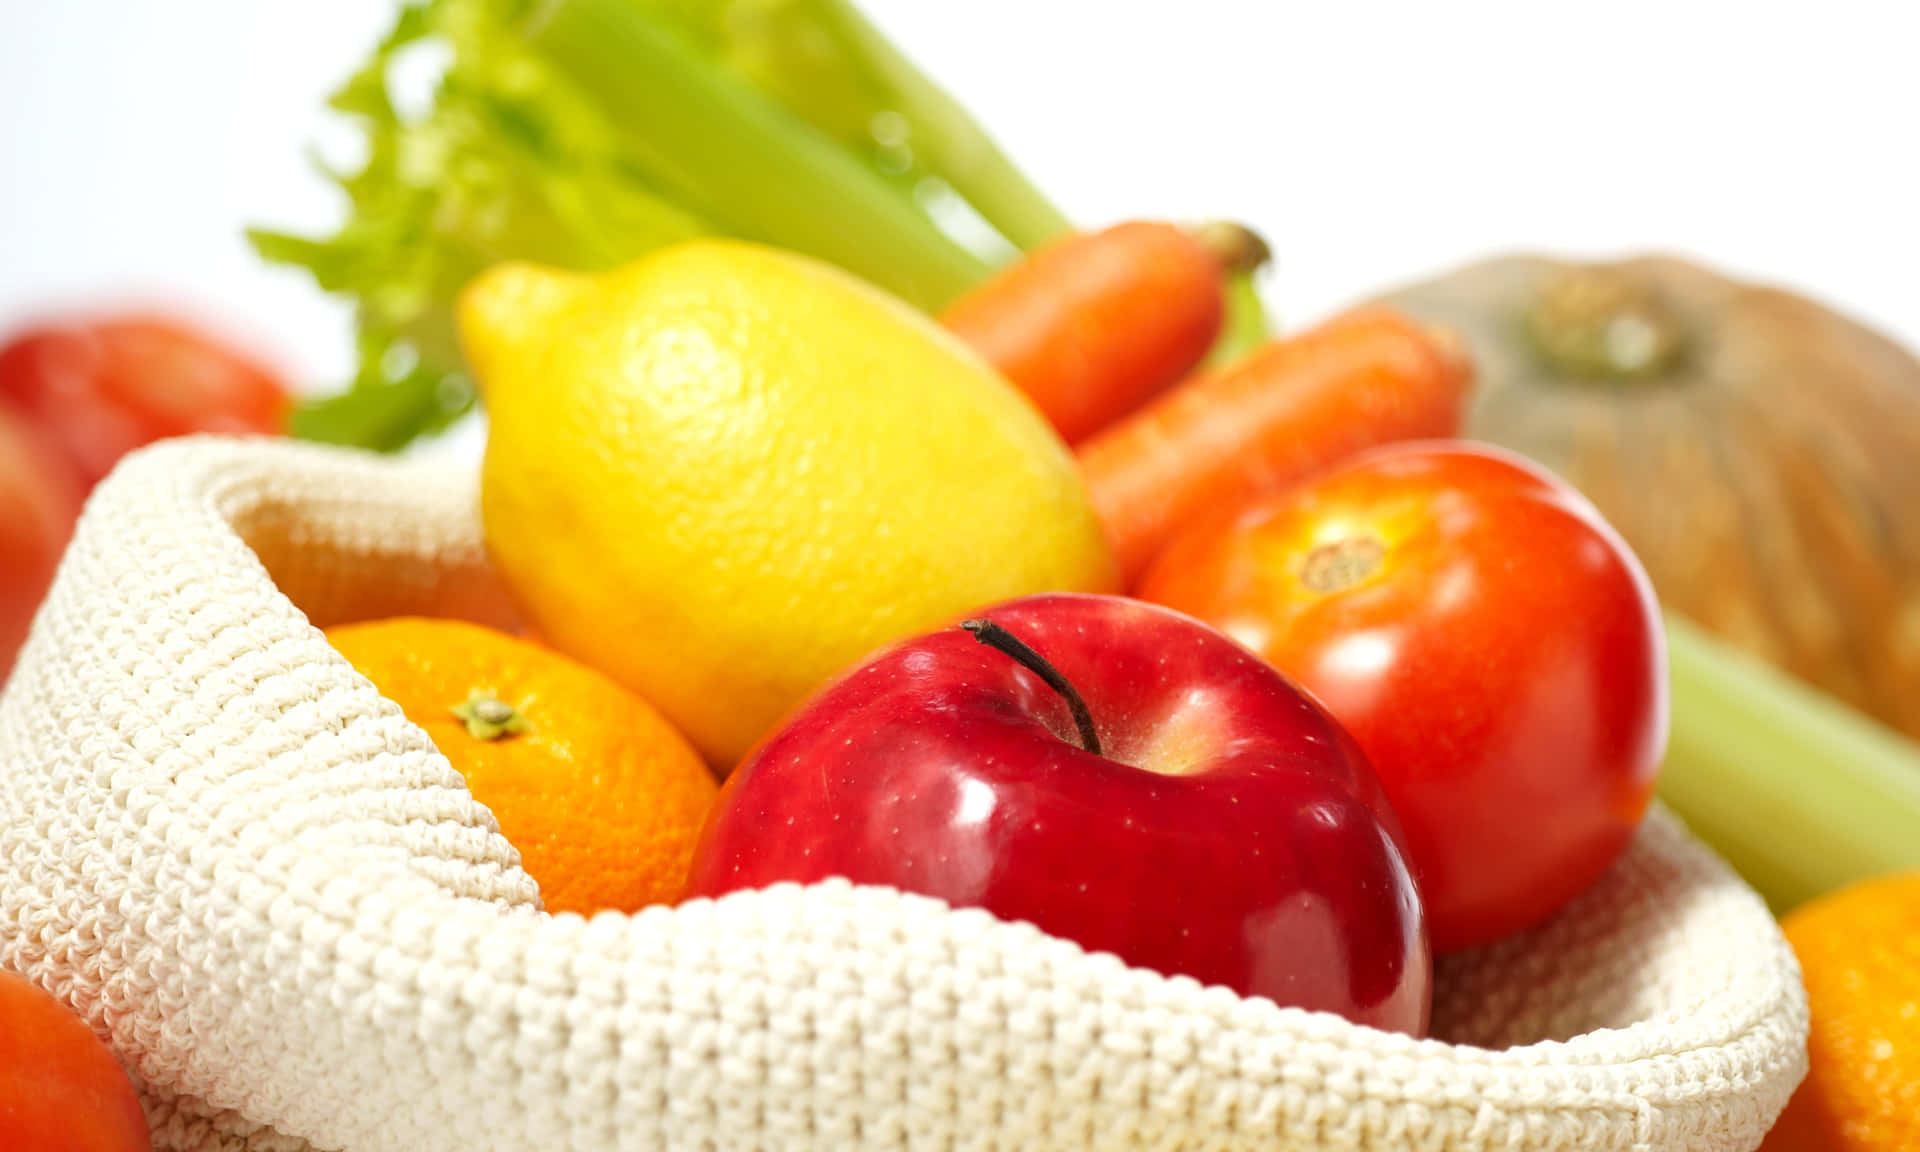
[(724, 472)]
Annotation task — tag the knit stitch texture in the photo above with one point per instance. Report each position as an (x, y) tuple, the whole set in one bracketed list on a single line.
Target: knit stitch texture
[(281, 907)]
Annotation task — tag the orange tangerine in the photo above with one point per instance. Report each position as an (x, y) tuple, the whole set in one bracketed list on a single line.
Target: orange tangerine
[(602, 797)]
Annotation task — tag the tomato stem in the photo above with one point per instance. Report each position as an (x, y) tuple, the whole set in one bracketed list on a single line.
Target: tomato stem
[(1340, 565), (998, 638)]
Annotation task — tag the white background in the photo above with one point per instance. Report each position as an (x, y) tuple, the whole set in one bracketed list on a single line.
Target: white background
[(1371, 142)]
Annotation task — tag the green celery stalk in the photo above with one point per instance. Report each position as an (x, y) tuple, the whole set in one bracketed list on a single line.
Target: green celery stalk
[(1798, 792), (943, 137), (826, 62), (754, 168)]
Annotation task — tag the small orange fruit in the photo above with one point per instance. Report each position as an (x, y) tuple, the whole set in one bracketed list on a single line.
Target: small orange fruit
[(1859, 952), (603, 798)]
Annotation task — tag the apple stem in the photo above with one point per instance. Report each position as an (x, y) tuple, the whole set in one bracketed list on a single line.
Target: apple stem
[(998, 638)]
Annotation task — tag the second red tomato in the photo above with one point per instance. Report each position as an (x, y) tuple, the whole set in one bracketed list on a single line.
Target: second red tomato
[(1489, 640), (101, 387), (38, 504)]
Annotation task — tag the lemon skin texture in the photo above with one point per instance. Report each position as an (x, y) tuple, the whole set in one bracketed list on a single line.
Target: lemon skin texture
[(725, 472)]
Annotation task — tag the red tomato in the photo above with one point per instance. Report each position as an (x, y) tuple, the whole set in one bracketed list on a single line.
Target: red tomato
[(38, 503), (103, 388), (61, 1090), (1489, 640)]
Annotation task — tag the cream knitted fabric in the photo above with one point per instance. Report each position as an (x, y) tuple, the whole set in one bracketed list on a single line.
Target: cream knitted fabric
[(273, 897)]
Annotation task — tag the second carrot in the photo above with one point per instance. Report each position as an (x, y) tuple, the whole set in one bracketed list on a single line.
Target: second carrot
[(1093, 325)]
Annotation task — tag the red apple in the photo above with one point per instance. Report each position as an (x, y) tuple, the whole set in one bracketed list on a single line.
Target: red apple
[(1170, 798)]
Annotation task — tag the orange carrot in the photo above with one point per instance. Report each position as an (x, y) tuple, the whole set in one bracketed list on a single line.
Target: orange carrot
[(1092, 325), (1289, 408)]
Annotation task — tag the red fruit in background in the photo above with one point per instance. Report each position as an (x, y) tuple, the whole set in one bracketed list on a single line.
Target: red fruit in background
[(1226, 828), (38, 503), (1486, 637), (104, 387), (61, 1090)]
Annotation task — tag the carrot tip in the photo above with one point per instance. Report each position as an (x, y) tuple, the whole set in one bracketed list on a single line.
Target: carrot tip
[(1236, 246)]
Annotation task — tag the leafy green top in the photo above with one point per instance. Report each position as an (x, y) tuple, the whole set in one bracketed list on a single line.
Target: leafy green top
[(584, 133)]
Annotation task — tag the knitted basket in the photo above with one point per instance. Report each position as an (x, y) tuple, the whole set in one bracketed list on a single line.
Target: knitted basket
[(263, 886)]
